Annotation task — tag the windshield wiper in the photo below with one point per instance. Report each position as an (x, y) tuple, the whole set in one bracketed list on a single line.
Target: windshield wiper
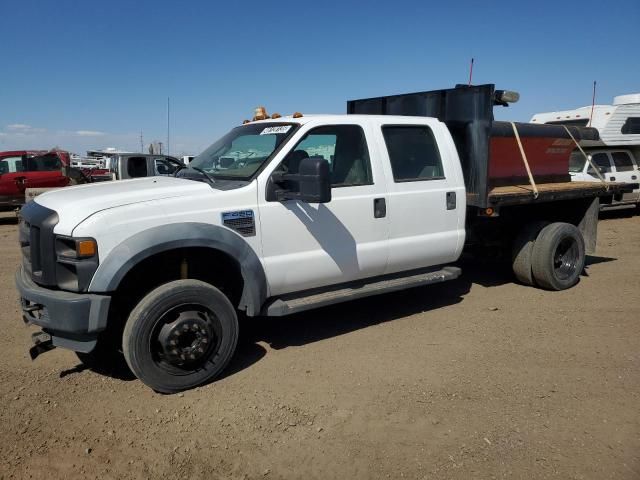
[(209, 177)]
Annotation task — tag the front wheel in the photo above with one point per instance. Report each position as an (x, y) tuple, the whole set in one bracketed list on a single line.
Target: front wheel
[(181, 335)]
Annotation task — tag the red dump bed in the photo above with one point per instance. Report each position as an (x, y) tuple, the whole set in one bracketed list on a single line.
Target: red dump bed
[(547, 149)]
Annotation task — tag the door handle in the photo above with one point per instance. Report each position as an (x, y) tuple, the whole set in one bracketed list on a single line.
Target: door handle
[(379, 208), (451, 200), (613, 179), (633, 177)]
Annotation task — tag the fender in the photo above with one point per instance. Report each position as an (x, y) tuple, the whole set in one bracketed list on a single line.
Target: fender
[(159, 239)]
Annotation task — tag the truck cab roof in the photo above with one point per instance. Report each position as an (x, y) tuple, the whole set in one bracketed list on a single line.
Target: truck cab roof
[(324, 117)]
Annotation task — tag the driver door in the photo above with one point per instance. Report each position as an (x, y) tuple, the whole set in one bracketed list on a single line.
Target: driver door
[(307, 245)]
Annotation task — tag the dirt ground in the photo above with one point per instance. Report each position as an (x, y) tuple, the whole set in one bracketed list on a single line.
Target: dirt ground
[(477, 378)]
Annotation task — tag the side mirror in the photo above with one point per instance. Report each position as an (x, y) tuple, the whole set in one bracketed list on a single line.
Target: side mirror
[(313, 182)]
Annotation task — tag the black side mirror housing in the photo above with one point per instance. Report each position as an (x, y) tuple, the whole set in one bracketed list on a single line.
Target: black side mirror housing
[(313, 180)]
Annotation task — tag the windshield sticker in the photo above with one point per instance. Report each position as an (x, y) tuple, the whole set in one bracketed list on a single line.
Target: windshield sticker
[(275, 130)]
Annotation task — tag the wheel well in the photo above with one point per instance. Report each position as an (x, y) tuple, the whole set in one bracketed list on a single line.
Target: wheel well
[(200, 263)]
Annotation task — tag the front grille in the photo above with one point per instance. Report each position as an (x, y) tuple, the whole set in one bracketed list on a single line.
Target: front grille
[(37, 242), (24, 235)]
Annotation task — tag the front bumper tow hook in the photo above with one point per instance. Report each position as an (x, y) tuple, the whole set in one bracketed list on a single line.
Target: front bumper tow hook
[(41, 343)]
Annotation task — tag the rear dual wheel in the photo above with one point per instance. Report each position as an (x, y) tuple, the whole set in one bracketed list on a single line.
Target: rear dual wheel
[(181, 335), (551, 256)]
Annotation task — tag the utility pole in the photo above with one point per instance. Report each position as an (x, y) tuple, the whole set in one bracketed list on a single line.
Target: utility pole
[(141, 143), (168, 151)]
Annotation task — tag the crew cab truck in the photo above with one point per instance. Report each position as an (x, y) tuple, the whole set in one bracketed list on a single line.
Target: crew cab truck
[(21, 170), (306, 211), (613, 165)]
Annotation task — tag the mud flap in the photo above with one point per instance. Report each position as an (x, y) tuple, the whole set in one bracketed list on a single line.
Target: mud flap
[(41, 343)]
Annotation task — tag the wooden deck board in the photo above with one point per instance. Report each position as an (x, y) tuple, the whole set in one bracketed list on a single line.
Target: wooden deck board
[(522, 194), (545, 187)]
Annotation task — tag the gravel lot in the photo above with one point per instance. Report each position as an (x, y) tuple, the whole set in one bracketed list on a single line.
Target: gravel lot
[(477, 378)]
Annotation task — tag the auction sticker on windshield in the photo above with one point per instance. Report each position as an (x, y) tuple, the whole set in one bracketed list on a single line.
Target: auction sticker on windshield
[(275, 130)]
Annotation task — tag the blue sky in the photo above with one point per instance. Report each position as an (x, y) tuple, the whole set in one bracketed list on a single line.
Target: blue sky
[(93, 74)]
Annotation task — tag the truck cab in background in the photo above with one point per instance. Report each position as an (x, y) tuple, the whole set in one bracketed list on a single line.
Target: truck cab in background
[(614, 165), (137, 165), (24, 169)]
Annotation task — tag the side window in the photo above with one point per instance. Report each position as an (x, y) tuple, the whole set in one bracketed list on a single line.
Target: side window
[(631, 126), (48, 163), (576, 162), (164, 167), (11, 165), (622, 161), (343, 146), (413, 153), (600, 160), (137, 167)]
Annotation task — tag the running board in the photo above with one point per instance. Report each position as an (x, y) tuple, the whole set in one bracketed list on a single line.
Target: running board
[(302, 301)]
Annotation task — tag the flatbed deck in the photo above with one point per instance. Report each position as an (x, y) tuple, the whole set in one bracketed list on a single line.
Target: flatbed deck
[(522, 194)]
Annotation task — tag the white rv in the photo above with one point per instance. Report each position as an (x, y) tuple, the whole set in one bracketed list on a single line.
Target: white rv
[(617, 153), (618, 124)]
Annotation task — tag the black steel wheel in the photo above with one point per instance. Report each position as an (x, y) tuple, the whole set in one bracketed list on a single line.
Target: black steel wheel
[(558, 256), (180, 335)]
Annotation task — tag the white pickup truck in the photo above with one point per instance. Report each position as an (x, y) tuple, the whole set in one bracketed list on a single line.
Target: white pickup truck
[(304, 211)]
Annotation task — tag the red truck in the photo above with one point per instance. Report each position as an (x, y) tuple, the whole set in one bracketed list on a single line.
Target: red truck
[(22, 169)]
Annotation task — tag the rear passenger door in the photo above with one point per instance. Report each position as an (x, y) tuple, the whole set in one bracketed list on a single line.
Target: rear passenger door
[(426, 197)]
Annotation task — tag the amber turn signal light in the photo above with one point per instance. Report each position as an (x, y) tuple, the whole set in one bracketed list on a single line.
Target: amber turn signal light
[(260, 114), (86, 248)]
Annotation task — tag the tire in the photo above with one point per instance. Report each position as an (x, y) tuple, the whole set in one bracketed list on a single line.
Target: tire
[(181, 335), (558, 256), (523, 250)]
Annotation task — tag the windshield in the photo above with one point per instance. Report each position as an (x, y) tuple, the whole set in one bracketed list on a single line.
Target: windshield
[(576, 162), (242, 151)]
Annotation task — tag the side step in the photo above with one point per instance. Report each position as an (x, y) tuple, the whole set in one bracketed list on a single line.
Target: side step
[(300, 301)]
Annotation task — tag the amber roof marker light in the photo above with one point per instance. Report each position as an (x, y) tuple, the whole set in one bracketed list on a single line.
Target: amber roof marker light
[(260, 113)]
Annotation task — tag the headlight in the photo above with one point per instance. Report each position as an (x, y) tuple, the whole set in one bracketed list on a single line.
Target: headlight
[(77, 261)]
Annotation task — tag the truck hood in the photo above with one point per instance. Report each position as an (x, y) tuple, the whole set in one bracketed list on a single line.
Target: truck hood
[(75, 204)]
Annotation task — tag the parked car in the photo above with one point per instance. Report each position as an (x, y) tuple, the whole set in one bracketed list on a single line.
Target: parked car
[(22, 169)]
